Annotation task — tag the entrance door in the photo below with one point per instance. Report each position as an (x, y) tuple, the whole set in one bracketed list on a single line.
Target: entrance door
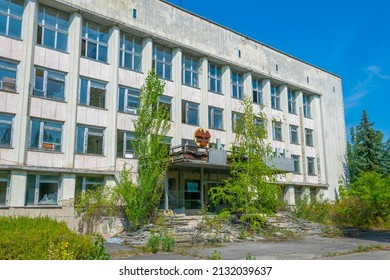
[(192, 194)]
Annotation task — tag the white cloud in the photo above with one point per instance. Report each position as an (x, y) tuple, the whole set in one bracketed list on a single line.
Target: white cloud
[(377, 71)]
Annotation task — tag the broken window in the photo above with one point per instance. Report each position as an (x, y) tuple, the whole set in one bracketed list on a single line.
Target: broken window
[(292, 103), (277, 131), (306, 106), (52, 28), (294, 134), (92, 93), (94, 42), (190, 113), (45, 135), (237, 85), (89, 183), (257, 91), (215, 118), (6, 124), (310, 166), (130, 53), (162, 62), (90, 140), (4, 188), (190, 70), (42, 189), (8, 71), (215, 78), (275, 97), (235, 119), (49, 84), (309, 137), (125, 144), (129, 100), (11, 15)]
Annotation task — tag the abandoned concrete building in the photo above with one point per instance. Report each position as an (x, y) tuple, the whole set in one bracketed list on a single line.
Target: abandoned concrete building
[(70, 79)]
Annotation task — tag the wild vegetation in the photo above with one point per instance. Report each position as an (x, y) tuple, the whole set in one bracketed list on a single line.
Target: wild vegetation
[(250, 191), (39, 238), (364, 201), (141, 198)]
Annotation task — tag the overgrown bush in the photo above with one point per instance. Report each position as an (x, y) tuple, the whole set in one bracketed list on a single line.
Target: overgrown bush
[(366, 203), (315, 210), (41, 238), (96, 203), (163, 240)]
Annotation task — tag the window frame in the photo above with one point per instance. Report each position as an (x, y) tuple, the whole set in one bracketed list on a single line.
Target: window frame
[(213, 111), (237, 81), (129, 92), (292, 102), (275, 97), (133, 52), (311, 163), (292, 132), (43, 126), (194, 73), (86, 134), (11, 123), (8, 15), (307, 106), (188, 106), (215, 79), (96, 84), (5, 178), (41, 24), (166, 101), (165, 62), (37, 187), (126, 152), (7, 66), (47, 76), (309, 138), (296, 163), (257, 90), (276, 126), (236, 116), (85, 41), (85, 183)]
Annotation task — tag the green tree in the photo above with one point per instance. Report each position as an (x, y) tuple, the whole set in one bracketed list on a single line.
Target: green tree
[(151, 126), (385, 158), (250, 190), (352, 157), (368, 146)]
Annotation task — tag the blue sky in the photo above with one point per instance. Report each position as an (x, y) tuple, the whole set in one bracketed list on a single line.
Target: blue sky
[(348, 38)]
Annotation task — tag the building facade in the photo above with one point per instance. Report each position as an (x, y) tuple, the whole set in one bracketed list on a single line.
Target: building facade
[(70, 79)]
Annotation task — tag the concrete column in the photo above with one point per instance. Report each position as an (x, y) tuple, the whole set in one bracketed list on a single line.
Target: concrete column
[(289, 195), (227, 111), (112, 97), (204, 88), (302, 134), (147, 55), (284, 107), (248, 84), (318, 139), (18, 183), (25, 81), (68, 186), (267, 107), (176, 102), (72, 89)]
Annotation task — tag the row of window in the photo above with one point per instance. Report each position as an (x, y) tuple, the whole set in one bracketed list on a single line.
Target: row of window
[(51, 84), (43, 189), (294, 135), (310, 161), (47, 135), (53, 28)]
